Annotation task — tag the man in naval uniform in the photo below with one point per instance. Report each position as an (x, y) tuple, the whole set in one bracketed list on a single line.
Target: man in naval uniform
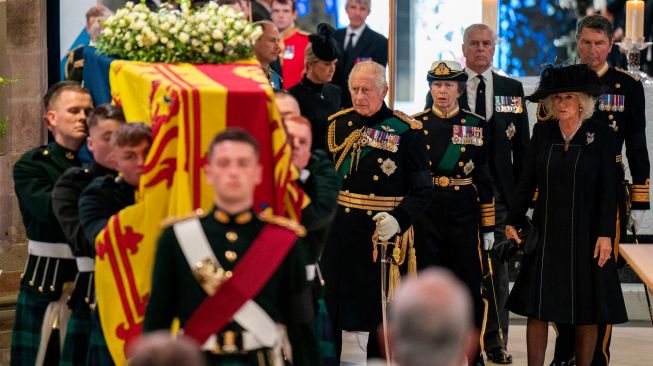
[(266, 50), (102, 122), (233, 278), (381, 157), (622, 108), (50, 269)]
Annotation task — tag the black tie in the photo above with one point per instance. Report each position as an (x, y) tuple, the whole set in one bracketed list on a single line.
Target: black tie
[(350, 44), (480, 97)]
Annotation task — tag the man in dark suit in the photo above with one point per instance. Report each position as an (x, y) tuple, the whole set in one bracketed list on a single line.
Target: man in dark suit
[(500, 100), (358, 43)]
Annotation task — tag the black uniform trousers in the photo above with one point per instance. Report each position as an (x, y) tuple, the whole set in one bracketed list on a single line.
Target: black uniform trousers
[(565, 341), (448, 235), (496, 287)]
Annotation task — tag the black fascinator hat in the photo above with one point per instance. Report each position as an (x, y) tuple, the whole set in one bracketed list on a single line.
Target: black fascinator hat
[(564, 79), (324, 45)]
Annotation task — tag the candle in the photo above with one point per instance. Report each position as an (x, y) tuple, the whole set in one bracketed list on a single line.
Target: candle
[(489, 13), (634, 20)]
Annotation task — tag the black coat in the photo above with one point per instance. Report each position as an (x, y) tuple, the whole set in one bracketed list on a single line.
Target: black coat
[(317, 102), (560, 281), (371, 46)]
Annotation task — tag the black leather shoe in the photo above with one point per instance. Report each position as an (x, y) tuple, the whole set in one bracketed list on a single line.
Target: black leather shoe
[(571, 362), (499, 355)]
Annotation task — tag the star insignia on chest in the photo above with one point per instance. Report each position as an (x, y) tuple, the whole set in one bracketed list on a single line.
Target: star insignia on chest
[(468, 167), (510, 131), (388, 167), (590, 137)]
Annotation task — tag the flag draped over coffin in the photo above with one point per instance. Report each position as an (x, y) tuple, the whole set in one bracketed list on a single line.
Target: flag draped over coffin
[(186, 105)]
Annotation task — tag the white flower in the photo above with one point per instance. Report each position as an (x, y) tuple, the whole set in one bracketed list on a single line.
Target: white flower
[(183, 37), (174, 30), (195, 42), (170, 44), (164, 39), (205, 49), (218, 47), (164, 26), (128, 46), (217, 34)]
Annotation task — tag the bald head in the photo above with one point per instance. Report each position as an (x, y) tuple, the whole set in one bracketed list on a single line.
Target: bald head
[(431, 320)]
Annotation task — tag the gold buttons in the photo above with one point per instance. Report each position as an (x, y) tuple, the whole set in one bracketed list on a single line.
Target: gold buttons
[(460, 163), (230, 255), (231, 236), (428, 147), (426, 118), (347, 209), (426, 132), (350, 123), (457, 188), (617, 85), (346, 190), (430, 163), (369, 213), (610, 117), (463, 120), (375, 177), (379, 160), (371, 194), (228, 274), (462, 149), (458, 176), (345, 177), (46, 153)]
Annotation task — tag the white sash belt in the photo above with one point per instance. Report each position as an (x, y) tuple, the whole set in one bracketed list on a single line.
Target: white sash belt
[(52, 250), (85, 264)]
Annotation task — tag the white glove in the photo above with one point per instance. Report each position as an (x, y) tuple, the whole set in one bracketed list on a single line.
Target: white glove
[(488, 241), (636, 218), (386, 224)]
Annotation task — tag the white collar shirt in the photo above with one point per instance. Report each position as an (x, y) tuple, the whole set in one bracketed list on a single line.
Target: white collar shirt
[(472, 85)]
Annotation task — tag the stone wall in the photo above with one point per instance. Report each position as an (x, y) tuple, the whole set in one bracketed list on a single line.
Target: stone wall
[(24, 57)]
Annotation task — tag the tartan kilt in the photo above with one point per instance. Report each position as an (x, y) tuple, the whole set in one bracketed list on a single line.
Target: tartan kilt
[(75, 346), (98, 352), (26, 332), (322, 324)]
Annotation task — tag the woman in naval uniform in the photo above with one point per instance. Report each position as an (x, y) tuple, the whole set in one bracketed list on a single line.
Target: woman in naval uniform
[(462, 206)]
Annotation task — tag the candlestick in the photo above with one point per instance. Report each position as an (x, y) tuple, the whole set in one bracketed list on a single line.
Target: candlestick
[(633, 55), (489, 11), (634, 20)]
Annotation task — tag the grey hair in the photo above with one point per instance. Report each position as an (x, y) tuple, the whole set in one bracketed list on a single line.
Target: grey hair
[(373, 68), (587, 103), (478, 26), (367, 3), (431, 319), (595, 21)]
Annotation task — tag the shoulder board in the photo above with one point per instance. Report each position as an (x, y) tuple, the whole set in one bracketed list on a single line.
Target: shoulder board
[(338, 114), (419, 114), (169, 221), (636, 78), (414, 124), (285, 222), (474, 114)]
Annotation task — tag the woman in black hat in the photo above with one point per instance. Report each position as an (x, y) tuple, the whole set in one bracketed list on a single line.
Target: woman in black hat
[(567, 275), (462, 208), (317, 97)]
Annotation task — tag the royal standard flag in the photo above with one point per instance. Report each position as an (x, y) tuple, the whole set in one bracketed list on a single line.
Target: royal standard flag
[(186, 105)]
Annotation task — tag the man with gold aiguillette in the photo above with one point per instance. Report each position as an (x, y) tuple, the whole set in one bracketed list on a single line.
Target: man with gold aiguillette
[(236, 281), (381, 158)]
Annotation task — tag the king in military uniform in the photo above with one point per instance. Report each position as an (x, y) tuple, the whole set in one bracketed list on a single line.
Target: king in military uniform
[(622, 108), (236, 281), (381, 158), (65, 203), (50, 270), (462, 206)]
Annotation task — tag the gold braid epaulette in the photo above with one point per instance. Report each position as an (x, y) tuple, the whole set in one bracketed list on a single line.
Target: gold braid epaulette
[(626, 73), (542, 114), (414, 124), (338, 114), (419, 114), (169, 221), (474, 114), (285, 222), (346, 145)]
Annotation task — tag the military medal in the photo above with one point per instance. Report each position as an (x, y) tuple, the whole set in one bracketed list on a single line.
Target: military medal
[(468, 167), (603, 102), (463, 135), (510, 131)]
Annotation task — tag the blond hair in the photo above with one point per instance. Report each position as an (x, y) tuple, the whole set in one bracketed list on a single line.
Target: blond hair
[(585, 101)]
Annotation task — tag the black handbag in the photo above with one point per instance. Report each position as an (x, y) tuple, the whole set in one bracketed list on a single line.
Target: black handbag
[(529, 236)]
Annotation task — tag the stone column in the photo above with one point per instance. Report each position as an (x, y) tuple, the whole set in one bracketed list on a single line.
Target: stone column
[(24, 58)]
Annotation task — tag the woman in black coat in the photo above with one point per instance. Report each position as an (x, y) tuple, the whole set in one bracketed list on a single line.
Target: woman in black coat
[(567, 275), (317, 97)]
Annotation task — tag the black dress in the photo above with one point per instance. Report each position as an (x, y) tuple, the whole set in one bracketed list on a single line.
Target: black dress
[(560, 281), (317, 102)]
